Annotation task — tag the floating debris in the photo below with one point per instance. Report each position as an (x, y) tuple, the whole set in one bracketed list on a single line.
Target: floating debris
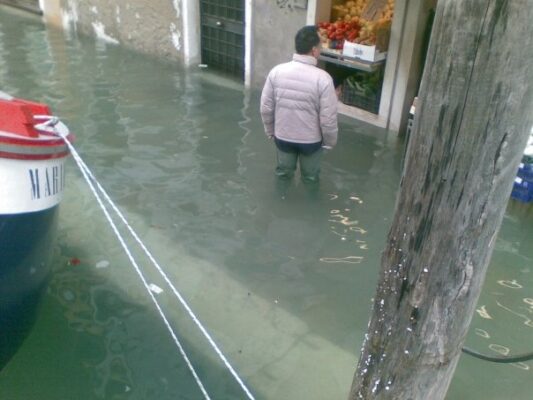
[(483, 313), (348, 260), (482, 333), (357, 199), (154, 288), (498, 348), (529, 302), (102, 264), (528, 321), (74, 261), (511, 284), (521, 365)]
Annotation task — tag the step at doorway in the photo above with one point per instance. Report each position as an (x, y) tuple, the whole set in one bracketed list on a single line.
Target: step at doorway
[(222, 35)]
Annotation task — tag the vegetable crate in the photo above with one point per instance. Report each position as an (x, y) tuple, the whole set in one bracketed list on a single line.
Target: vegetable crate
[(523, 184), (525, 171), (364, 100)]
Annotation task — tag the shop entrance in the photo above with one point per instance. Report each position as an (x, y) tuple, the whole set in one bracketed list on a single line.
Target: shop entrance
[(28, 5), (374, 50), (222, 35), (355, 38)]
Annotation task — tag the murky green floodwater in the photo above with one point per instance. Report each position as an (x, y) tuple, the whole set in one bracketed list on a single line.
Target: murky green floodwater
[(283, 284)]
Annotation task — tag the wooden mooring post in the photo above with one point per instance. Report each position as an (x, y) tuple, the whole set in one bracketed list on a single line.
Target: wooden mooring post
[(471, 125)]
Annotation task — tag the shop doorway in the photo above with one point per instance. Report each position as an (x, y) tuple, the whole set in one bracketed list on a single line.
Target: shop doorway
[(28, 5), (222, 35)]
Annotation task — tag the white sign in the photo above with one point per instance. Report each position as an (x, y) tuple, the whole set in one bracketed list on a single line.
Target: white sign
[(363, 52), (28, 185)]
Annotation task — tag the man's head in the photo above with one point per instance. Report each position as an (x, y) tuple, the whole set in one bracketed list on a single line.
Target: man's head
[(307, 41)]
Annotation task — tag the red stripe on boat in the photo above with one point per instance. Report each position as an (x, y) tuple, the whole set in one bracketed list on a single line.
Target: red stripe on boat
[(36, 157), (56, 141)]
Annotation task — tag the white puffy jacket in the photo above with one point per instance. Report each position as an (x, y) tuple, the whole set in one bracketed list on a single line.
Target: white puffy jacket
[(299, 103)]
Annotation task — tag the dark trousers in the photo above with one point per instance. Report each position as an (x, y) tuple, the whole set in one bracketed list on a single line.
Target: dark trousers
[(308, 154)]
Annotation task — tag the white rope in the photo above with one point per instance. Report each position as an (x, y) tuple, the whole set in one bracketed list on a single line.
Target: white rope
[(87, 171), (84, 171)]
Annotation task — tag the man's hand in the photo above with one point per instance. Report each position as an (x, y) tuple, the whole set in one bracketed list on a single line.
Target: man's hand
[(327, 147)]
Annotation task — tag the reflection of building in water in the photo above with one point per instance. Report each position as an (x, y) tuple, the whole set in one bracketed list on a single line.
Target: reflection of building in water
[(17, 61), (236, 37), (90, 306)]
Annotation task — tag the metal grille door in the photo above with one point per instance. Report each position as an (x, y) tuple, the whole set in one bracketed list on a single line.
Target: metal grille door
[(223, 35)]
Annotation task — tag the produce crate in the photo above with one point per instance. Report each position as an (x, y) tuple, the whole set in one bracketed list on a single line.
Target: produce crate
[(525, 171), (365, 101), (522, 190), (522, 195)]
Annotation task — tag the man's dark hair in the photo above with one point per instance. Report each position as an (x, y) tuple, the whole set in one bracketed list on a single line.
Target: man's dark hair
[(306, 38)]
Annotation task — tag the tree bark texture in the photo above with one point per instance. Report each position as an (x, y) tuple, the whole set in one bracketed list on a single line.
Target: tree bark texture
[(471, 126)]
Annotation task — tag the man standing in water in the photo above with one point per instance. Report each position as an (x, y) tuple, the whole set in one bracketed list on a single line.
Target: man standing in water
[(299, 109)]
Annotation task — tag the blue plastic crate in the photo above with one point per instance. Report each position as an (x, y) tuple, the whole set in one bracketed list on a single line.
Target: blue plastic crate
[(522, 195), (522, 190), (525, 171)]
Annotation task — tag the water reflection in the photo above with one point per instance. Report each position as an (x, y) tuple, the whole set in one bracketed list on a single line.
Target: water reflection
[(502, 304), (92, 308), (482, 333), (499, 349), (347, 228), (529, 302), (482, 311), (510, 284), (528, 321), (521, 365), (348, 260)]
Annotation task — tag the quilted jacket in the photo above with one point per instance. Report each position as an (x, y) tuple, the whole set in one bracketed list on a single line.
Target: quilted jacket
[(299, 103)]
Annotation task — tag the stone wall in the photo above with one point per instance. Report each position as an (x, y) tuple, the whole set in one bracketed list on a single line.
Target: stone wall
[(157, 27), (274, 24), (152, 27)]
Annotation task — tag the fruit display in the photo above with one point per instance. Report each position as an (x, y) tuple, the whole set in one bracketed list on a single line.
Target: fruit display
[(337, 32), (354, 10), (366, 22)]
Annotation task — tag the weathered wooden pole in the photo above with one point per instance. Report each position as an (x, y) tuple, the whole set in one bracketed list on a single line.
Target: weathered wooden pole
[(473, 119)]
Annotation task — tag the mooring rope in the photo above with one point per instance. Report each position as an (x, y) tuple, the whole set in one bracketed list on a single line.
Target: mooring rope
[(88, 175), (83, 169)]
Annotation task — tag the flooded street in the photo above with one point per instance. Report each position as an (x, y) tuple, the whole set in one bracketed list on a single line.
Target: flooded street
[(281, 277)]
